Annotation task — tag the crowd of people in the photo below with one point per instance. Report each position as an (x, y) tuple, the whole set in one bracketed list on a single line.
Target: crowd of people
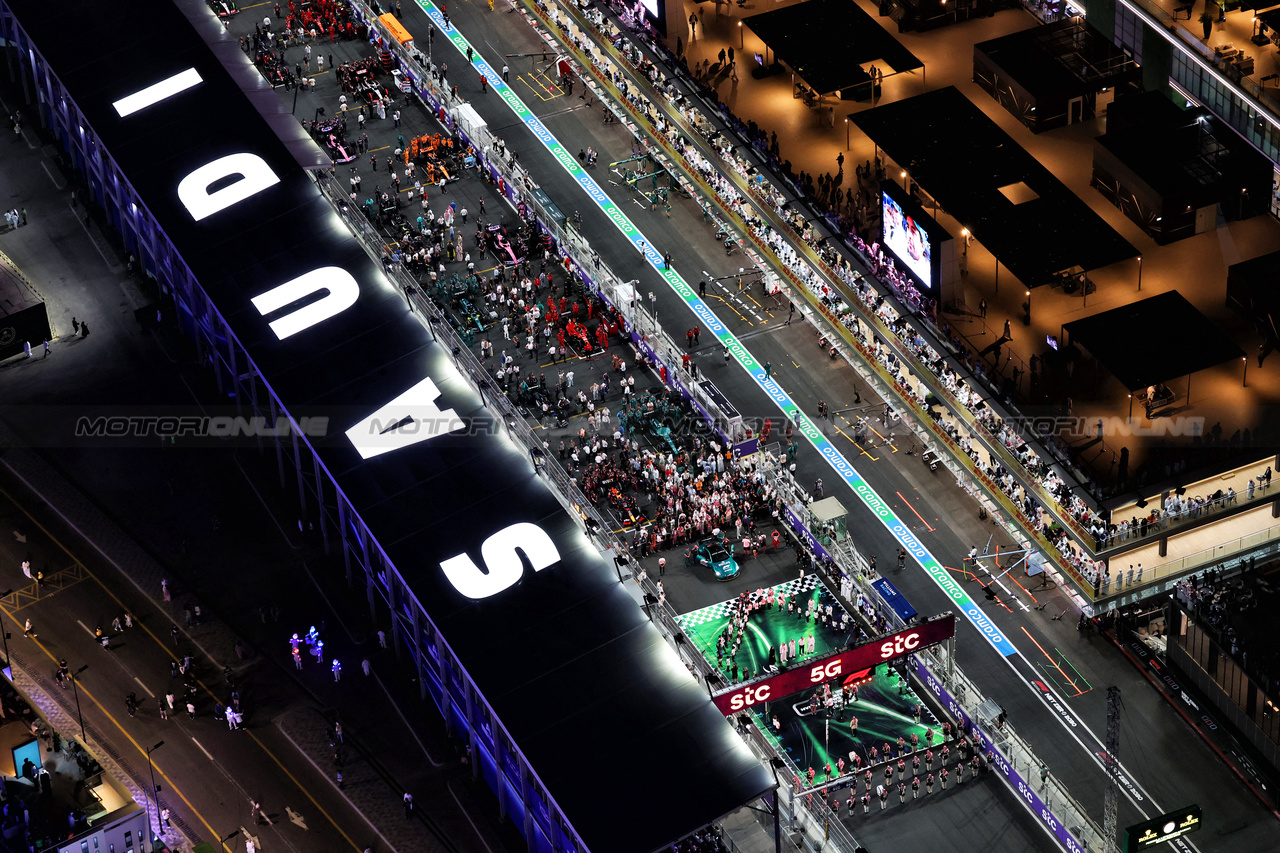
[(693, 493), (1232, 610), (1180, 508), (968, 757), (703, 841), (428, 240), (807, 613), (309, 29), (678, 486)]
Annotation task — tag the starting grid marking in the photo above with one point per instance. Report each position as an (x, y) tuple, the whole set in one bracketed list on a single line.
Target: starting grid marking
[(843, 468), (791, 588), (545, 89)]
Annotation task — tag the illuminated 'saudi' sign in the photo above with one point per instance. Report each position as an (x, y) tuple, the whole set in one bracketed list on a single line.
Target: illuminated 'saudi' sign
[(784, 684)]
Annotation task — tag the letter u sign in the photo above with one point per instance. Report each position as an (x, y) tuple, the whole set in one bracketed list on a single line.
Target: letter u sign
[(502, 560)]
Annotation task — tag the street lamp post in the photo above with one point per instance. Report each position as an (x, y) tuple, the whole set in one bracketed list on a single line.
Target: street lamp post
[(155, 797), (223, 841), (76, 691), (742, 44), (1139, 273), (653, 310), (1028, 307)]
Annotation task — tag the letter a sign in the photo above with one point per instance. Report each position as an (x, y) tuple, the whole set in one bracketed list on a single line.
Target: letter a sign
[(408, 419)]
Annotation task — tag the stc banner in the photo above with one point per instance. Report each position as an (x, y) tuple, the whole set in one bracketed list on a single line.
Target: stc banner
[(854, 660)]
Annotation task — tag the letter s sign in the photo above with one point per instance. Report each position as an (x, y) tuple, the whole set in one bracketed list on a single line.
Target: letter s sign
[(502, 560)]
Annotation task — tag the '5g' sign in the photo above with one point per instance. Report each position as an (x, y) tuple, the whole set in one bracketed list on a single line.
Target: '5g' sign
[(824, 672)]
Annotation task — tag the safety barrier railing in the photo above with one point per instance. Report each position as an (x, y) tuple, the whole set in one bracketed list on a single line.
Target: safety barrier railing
[(1266, 541), (1050, 801), (1168, 521)]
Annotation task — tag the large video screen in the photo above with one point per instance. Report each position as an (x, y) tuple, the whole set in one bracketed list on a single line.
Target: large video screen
[(656, 12), (907, 240)]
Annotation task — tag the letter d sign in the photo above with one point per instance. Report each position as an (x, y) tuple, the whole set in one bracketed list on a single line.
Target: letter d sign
[(252, 174)]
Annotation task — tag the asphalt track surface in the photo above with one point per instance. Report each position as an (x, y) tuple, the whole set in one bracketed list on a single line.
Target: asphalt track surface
[(1168, 767)]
